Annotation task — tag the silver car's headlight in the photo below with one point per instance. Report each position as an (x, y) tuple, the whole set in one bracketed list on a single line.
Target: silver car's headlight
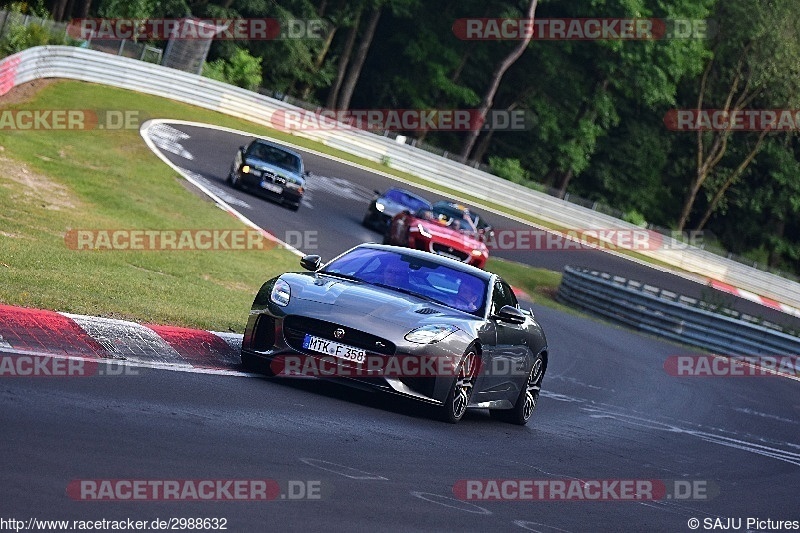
[(281, 293), (430, 333), (379, 206)]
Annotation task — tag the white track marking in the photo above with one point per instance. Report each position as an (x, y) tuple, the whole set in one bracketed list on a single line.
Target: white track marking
[(342, 470), (452, 503), (168, 139), (538, 527)]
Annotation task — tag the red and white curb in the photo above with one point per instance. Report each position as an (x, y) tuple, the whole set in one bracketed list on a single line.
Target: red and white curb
[(753, 297), (39, 332)]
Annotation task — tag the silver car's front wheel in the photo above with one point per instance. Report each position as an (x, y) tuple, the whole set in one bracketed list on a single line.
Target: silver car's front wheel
[(461, 391)]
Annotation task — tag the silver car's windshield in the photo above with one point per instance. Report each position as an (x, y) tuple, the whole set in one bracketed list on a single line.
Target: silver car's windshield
[(424, 278)]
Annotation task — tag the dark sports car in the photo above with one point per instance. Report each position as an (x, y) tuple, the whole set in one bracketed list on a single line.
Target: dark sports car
[(459, 211), (406, 322), (395, 200), (271, 171)]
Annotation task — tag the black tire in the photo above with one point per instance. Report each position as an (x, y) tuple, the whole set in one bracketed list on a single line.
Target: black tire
[(461, 390), (367, 220), (527, 399), (233, 179)]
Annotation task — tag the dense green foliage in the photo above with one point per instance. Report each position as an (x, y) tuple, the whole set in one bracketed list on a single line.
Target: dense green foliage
[(596, 107), (241, 69)]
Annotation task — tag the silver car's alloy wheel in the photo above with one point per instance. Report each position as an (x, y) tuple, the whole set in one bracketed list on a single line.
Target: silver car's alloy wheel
[(460, 394)]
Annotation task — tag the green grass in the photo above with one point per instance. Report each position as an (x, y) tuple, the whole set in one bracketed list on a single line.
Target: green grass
[(539, 283)]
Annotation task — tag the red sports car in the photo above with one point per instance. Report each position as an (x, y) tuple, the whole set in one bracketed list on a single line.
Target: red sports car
[(437, 230)]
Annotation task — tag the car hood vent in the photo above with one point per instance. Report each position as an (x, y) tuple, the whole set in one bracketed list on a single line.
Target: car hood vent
[(427, 311)]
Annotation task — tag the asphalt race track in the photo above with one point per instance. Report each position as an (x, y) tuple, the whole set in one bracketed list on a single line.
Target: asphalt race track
[(609, 411)]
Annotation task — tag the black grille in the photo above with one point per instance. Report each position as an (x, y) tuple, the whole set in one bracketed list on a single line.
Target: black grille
[(427, 311), (447, 250), (296, 327)]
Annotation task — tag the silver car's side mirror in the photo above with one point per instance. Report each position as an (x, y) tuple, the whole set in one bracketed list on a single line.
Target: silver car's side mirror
[(311, 262), (511, 314)]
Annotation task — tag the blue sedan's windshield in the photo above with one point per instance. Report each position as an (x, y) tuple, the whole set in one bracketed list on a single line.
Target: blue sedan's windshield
[(424, 278)]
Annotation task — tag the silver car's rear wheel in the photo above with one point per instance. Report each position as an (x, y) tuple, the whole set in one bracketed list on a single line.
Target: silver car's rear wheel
[(461, 391)]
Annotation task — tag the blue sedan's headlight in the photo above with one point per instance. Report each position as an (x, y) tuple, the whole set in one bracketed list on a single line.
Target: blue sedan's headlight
[(281, 293), (430, 333)]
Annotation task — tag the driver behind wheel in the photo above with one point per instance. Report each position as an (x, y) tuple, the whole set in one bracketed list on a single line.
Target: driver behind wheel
[(470, 295)]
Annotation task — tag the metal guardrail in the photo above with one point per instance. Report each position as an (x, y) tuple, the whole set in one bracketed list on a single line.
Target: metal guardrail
[(673, 316), (96, 67)]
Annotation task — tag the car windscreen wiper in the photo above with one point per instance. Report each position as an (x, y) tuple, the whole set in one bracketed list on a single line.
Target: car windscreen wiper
[(340, 276)]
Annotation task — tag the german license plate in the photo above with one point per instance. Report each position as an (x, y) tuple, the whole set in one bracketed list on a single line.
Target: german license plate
[(342, 351), (277, 189)]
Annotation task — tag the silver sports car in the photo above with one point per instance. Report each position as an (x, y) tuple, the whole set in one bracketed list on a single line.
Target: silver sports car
[(406, 322)]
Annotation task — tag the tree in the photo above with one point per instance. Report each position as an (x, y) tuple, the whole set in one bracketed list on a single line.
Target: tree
[(242, 70), (760, 217), (756, 59), (344, 60), (353, 73), (494, 83)]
